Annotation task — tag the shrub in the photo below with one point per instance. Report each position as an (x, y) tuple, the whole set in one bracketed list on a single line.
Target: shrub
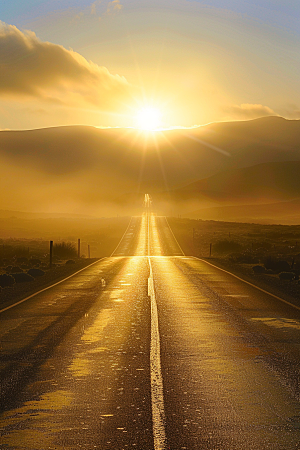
[(275, 264), (22, 277), (64, 250), (286, 276), (6, 280), (34, 272), (70, 261), (258, 269)]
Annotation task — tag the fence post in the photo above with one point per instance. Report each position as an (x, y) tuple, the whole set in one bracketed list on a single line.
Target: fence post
[(78, 248), (210, 246), (89, 251)]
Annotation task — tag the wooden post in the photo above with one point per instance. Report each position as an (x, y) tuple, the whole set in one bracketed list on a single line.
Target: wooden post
[(210, 246), (51, 253), (89, 251), (78, 248)]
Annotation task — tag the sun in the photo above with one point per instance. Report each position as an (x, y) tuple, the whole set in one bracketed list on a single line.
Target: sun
[(148, 118)]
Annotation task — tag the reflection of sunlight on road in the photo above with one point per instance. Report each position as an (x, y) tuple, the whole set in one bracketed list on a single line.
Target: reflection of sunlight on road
[(231, 368), (44, 408), (155, 244), (279, 322), (141, 249)]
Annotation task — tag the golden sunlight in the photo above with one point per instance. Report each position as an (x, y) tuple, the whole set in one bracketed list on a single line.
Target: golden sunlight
[(148, 118)]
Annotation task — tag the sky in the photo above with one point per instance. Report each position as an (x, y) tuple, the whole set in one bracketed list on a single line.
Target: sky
[(99, 63)]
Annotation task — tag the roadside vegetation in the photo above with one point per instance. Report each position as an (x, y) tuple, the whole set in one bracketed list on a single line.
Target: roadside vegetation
[(268, 255), (25, 262)]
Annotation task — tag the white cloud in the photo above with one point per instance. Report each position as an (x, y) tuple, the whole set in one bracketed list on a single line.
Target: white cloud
[(36, 69), (247, 111)]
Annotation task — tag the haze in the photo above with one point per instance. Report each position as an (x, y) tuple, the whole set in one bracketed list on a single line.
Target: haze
[(128, 68)]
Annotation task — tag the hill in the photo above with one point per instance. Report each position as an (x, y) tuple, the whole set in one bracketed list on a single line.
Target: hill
[(261, 183), (85, 170), (285, 213)]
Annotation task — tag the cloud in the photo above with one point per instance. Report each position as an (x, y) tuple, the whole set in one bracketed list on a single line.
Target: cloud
[(248, 111), (99, 9), (114, 7), (36, 69)]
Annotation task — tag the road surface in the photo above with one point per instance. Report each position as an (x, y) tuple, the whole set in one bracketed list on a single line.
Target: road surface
[(150, 349)]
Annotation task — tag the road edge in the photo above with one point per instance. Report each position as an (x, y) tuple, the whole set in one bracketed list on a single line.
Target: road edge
[(249, 283), (49, 287)]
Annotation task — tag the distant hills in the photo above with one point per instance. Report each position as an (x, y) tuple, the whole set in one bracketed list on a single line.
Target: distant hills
[(90, 171), (260, 183), (286, 213)]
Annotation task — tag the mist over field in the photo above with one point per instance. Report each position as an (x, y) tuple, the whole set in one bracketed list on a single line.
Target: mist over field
[(106, 172)]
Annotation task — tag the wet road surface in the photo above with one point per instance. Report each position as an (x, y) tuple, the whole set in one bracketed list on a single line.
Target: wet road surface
[(150, 349)]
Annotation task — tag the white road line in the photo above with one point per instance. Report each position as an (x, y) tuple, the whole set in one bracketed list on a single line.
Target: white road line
[(248, 282), (48, 287), (148, 234), (157, 394), (174, 236), (122, 238)]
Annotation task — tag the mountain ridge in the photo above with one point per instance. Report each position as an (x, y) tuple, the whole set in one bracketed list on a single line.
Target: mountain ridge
[(91, 171)]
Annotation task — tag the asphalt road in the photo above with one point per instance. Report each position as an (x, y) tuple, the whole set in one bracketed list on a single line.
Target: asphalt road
[(150, 349)]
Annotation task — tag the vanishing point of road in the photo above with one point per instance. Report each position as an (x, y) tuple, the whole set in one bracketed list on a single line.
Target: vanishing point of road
[(150, 350)]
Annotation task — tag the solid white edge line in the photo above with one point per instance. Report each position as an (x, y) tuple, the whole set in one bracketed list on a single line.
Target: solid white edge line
[(122, 237), (174, 237), (248, 282), (157, 395), (49, 287), (148, 235)]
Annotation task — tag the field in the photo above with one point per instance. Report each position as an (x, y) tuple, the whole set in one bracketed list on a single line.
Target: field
[(25, 251), (239, 247)]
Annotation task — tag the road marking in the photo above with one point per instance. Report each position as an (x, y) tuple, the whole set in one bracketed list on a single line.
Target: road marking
[(48, 287), (157, 394), (250, 284), (174, 236), (148, 234), (122, 237)]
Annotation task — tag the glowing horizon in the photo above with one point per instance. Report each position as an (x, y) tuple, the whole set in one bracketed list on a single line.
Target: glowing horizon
[(94, 63)]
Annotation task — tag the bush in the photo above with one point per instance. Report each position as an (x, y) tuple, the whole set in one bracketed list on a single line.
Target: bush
[(258, 269), (6, 280), (70, 261), (64, 250), (22, 277), (34, 272), (275, 264), (287, 276)]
